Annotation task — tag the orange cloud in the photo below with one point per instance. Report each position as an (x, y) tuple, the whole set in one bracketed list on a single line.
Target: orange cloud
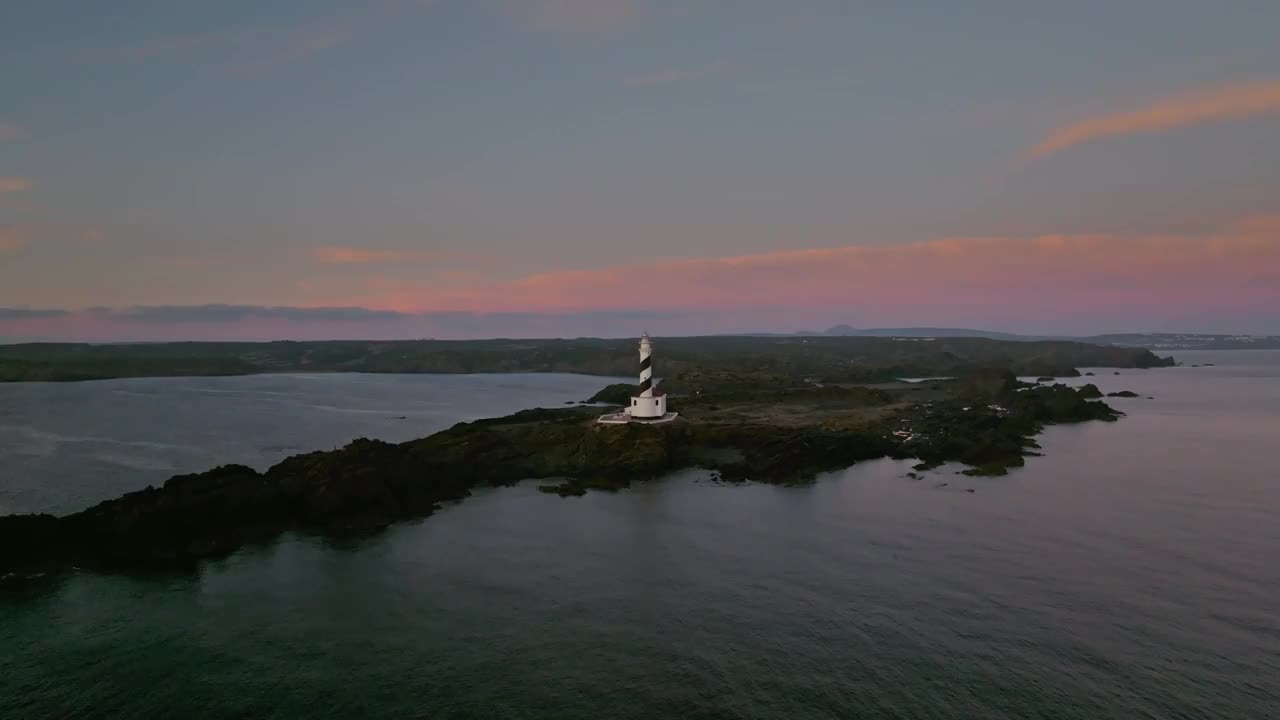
[(1197, 108), (1002, 275), (14, 184), (593, 16)]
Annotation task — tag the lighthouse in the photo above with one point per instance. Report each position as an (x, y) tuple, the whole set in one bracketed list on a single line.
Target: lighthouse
[(649, 405)]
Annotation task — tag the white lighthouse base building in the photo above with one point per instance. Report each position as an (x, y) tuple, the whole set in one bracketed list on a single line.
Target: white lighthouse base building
[(650, 405), (649, 411)]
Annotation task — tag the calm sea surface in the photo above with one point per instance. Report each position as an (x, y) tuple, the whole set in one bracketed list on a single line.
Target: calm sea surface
[(1132, 572)]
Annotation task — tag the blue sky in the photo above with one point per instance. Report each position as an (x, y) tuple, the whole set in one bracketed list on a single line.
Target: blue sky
[(446, 154)]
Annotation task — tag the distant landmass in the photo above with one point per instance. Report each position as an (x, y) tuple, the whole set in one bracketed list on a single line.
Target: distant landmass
[(846, 330), (877, 354), (825, 358), (1151, 341), (1185, 341)]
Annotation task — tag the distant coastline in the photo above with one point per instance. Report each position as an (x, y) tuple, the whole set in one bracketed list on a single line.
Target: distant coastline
[(835, 357), (1150, 341)]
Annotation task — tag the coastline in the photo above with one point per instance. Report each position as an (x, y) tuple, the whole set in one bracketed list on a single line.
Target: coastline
[(877, 359), (986, 420)]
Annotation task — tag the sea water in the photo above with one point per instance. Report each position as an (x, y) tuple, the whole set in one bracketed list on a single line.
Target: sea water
[(1132, 571)]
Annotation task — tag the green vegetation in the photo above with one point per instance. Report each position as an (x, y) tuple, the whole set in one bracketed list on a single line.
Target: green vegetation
[(781, 359), (785, 432), (615, 394)]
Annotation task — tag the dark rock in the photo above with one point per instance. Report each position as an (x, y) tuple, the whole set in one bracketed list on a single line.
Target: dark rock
[(985, 383), (35, 543), (1089, 374), (565, 489), (1090, 391), (1045, 378), (991, 470), (1123, 394), (615, 394)]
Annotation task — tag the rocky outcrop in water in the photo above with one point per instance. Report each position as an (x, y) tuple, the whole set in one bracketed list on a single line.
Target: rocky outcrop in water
[(1090, 391)]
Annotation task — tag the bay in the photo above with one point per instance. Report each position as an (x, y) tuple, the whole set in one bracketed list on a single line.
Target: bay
[(1130, 572)]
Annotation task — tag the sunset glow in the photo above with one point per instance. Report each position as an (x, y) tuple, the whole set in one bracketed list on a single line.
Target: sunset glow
[(563, 167)]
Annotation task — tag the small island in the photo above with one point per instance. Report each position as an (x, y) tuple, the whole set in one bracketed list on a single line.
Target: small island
[(756, 418)]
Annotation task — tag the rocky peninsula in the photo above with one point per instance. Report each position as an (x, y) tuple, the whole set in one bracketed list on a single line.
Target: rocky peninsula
[(769, 428)]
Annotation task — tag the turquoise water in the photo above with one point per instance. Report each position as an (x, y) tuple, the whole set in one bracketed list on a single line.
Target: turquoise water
[(1131, 572)]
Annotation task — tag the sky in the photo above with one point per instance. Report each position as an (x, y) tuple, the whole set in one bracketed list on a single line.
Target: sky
[(306, 169)]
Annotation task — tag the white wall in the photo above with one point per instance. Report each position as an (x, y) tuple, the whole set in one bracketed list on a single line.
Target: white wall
[(648, 407)]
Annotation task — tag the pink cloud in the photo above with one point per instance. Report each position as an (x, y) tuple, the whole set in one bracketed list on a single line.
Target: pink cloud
[(11, 132), (61, 232), (590, 16), (258, 48), (13, 238), (663, 77), (167, 45), (14, 184), (1002, 276), (310, 38), (317, 38), (1226, 278), (1195, 108), (373, 256)]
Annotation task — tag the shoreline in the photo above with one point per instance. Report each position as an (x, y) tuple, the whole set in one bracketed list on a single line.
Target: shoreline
[(878, 359), (986, 420)]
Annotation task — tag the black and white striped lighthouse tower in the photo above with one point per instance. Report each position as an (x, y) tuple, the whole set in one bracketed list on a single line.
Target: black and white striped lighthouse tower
[(646, 366), (650, 403)]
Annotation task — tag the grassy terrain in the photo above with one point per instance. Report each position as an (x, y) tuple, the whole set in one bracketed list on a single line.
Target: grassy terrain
[(824, 359)]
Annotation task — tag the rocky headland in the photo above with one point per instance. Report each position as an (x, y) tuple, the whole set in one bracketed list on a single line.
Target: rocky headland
[(784, 431)]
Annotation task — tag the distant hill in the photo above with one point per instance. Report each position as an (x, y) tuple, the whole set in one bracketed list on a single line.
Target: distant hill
[(826, 359), (1150, 341), (1188, 341), (846, 330)]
